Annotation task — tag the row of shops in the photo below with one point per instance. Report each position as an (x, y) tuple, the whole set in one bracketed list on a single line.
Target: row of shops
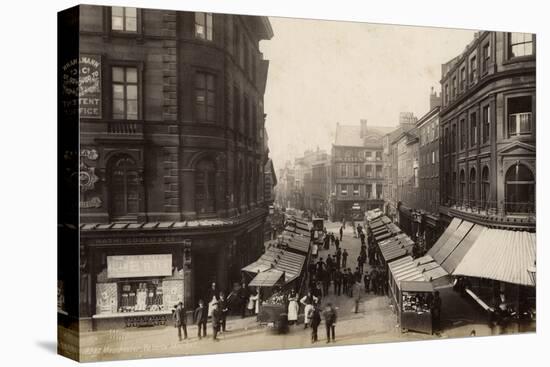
[(494, 267)]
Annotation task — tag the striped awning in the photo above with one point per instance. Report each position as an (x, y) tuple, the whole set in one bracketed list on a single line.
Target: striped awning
[(278, 259), (501, 255)]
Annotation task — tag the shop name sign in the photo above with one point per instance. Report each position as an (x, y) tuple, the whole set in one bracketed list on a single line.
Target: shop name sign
[(132, 266), (89, 86)]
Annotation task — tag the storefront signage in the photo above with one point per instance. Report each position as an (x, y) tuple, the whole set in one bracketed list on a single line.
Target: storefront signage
[(137, 240), (89, 86), (131, 266)]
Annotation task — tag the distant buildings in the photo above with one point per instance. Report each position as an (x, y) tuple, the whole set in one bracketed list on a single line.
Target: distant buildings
[(357, 169)]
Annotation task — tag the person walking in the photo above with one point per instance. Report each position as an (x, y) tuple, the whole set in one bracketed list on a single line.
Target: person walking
[(224, 310), (216, 319), (212, 296), (337, 282), (338, 257), (362, 237), (337, 243), (308, 301), (330, 322), (344, 258), (293, 308), (315, 317), (200, 317), (342, 231), (357, 291), (366, 281), (360, 263), (180, 320)]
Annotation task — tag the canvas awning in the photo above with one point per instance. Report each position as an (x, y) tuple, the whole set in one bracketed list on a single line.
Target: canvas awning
[(267, 278), (278, 259), (445, 236), (451, 244), (295, 242), (501, 255)]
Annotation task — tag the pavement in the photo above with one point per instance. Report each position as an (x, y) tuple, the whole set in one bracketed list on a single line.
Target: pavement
[(375, 322)]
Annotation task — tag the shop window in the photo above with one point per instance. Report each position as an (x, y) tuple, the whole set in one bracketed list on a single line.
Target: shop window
[(205, 97), (123, 19), (125, 93), (485, 187), (486, 123), (203, 26), (123, 188), (472, 189), (135, 296), (520, 44), (519, 115), (520, 189), (205, 187)]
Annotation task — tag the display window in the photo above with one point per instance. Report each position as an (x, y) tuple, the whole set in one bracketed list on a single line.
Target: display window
[(140, 295), (417, 302)]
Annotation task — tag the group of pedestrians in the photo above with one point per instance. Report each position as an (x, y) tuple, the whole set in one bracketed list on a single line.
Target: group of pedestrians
[(241, 301)]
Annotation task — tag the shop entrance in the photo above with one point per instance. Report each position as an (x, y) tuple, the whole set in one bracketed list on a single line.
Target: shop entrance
[(205, 272)]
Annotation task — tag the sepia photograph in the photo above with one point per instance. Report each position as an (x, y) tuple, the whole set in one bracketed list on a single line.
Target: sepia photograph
[(237, 183)]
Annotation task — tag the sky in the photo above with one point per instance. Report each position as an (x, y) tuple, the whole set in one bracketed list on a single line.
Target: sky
[(324, 72)]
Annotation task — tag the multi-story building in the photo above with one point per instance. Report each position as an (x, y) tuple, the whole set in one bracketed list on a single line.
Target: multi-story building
[(428, 173), (390, 160), (488, 131), (320, 186), (357, 169), (286, 188), (173, 156), (305, 177), (487, 165)]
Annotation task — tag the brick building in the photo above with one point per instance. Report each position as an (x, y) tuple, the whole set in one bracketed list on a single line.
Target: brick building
[(172, 156)]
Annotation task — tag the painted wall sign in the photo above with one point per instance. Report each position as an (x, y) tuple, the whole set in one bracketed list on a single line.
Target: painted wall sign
[(131, 266), (89, 86)]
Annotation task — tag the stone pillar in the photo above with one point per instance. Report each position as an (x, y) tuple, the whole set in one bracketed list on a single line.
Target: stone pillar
[(188, 195)]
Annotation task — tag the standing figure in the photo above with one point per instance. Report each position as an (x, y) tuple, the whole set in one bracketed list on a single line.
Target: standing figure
[(243, 297), (223, 306), (216, 319), (366, 281), (212, 296), (252, 300), (330, 322), (344, 258), (342, 231), (180, 320), (308, 301), (200, 317), (293, 308), (315, 317), (337, 282)]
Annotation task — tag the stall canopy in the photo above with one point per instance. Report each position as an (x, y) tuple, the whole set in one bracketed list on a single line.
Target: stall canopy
[(268, 278), (501, 255), (278, 259), (396, 247), (419, 270), (451, 244), (445, 236), (295, 241), (433, 272)]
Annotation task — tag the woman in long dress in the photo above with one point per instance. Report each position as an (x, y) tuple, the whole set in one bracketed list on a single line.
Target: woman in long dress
[(293, 308)]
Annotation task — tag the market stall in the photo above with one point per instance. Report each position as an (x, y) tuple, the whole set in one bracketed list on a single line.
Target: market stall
[(411, 295)]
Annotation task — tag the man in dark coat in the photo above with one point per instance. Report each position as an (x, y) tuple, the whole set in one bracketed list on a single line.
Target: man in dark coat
[(200, 317), (224, 310), (344, 258), (330, 322), (216, 319), (180, 320), (243, 295), (366, 281), (337, 243), (337, 282), (315, 320), (338, 257), (341, 232)]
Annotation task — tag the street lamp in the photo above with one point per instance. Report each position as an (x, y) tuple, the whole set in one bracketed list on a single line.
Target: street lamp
[(532, 271)]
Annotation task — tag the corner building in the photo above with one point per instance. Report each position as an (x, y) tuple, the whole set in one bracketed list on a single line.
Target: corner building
[(172, 158)]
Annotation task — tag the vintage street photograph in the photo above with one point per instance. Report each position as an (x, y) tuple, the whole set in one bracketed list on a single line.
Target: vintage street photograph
[(257, 183)]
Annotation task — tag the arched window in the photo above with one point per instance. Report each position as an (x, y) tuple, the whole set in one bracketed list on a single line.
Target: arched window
[(485, 187), (205, 187), (472, 188), (462, 186), (520, 189), (123, 188)]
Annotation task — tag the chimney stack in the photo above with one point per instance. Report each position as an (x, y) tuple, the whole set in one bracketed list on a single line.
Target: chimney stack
[(363, 131)]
